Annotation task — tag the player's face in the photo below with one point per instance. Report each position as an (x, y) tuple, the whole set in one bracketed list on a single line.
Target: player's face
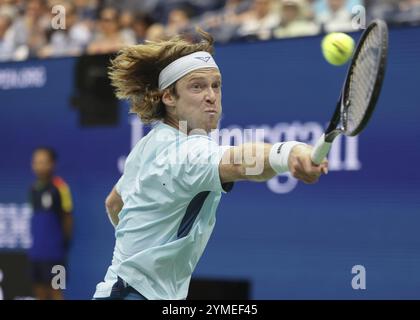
[(42, 164), (199, 99)]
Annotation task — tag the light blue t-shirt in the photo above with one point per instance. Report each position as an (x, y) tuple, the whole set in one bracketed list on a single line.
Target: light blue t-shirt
[(171, 189)]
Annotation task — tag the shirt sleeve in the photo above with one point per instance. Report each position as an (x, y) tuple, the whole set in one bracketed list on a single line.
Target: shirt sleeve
[(196, 164), (65, 195), (118, 185)]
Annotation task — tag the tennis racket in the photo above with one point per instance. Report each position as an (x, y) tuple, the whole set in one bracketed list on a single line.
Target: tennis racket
[(361, 89)]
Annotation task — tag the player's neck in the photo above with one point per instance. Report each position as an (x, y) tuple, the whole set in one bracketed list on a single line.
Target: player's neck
[(175, 124), (45, 179)]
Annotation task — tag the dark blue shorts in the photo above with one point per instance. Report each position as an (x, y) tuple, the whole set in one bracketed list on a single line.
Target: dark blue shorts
[(41, 271)]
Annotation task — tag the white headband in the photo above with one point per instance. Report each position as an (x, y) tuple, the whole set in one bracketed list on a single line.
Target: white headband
[(180, 67)]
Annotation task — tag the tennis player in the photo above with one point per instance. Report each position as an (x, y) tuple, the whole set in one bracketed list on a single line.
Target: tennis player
[(164, 205)]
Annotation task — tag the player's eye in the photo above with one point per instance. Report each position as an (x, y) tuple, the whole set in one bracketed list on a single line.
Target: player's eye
[(216, 85), (196, 86)]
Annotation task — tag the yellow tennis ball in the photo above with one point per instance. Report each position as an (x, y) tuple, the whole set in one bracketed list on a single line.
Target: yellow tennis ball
[(337, 48)]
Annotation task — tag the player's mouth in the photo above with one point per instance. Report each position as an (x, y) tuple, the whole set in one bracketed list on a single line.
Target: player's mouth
[(211, 112)]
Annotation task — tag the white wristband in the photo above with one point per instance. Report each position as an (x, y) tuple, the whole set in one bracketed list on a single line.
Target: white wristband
[(279, 155)]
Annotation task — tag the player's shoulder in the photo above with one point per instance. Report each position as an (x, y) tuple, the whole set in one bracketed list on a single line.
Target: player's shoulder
[(59, 182)]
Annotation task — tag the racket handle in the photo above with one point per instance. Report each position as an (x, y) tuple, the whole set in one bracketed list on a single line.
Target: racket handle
[(320, 150)]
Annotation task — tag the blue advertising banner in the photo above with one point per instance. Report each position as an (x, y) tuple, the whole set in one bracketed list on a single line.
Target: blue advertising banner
[(288, 239)]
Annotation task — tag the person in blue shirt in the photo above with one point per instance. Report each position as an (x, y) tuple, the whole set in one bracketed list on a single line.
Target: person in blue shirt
[(164, 205), (51, 225)]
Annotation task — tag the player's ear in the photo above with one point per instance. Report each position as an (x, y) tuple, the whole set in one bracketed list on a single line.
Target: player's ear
[(168, 98)]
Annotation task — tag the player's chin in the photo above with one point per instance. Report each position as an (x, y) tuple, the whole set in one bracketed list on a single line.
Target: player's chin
[(213, 124)]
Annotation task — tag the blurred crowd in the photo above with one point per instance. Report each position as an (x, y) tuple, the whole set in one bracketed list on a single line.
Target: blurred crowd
[(104, 26)]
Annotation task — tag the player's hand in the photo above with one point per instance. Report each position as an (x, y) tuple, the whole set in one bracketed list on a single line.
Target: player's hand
[(301, 166)]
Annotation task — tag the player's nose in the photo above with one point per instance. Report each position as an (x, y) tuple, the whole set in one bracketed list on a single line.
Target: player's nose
[(210, 96)]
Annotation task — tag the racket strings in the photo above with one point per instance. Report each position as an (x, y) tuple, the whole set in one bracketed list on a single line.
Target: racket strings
[(362, 80)]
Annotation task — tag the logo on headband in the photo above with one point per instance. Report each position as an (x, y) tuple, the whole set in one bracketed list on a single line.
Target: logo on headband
[(205, 59)]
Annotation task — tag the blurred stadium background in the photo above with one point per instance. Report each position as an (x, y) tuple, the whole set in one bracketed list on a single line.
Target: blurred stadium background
[(274, 240)]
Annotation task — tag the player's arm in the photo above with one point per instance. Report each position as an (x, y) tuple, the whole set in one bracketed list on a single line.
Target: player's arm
[(261, 162), (67, 222), (113, 205), (66, 211)]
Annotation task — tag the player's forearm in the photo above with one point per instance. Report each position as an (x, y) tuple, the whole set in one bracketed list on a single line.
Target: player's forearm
[(68, 226), (113, 216), (255, 161), (113, 205), (113, 209)]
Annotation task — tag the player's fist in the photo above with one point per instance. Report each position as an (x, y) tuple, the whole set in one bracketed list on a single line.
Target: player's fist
[(301, 166)]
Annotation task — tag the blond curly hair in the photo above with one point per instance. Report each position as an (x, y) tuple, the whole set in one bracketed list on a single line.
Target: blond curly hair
[(135, 72)]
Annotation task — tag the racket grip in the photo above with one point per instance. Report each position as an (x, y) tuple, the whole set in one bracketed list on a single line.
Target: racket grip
[(320, 150)]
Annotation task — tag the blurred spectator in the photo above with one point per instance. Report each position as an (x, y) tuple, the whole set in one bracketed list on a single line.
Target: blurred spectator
[(7, 37), (126, 21), (156, 32), (178, 21), (293, 22), (224, 23), (337, 17), (70, 41), (10, 7), (409, 12), (145, 6), (52, 223), (108, 38), (31, 29), (395, 11), (141, 24), (321, 6), (203, 6), (260, 20), (165, 7), (85, 9)]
